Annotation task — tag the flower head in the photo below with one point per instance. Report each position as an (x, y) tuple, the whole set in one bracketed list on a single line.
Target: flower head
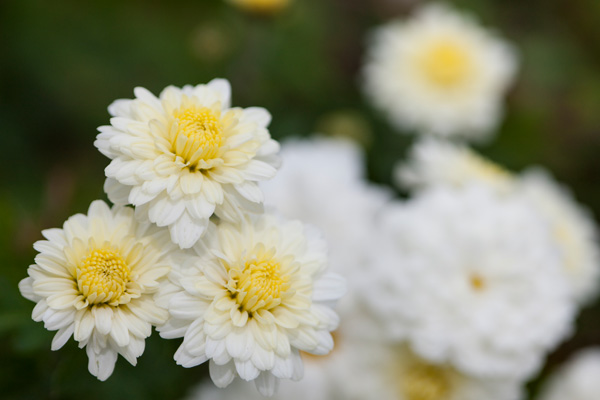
[(471, 279), (183, 156), (252, 297), (439, 73), (94, 279)]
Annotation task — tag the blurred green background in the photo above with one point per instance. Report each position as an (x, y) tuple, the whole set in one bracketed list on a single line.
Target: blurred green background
[(63, 62)]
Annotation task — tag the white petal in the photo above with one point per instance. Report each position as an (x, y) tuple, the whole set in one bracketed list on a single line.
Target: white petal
[(164, 211), (61, 337), (258, 115), (102, 364), (186, 231), (103, 316), (223, 89), (250, 191), (186, 359), (221, 375), (267, 384), (246, 370), (26, 289)]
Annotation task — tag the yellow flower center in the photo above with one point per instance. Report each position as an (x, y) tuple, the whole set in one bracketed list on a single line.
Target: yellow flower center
[(446, 63), (259, 285), (102, 277), (199, 135), (477, 282), (426, 382)]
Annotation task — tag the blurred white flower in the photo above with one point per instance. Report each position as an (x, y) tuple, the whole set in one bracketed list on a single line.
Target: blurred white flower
[(576, 380), (439, 73), (573, 229), (186, 155), (473, 279), (95, 279), (254, 295), (435, 162), (439, 162)]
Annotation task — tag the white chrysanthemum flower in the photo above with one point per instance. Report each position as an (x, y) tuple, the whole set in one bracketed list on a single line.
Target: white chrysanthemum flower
[(473, 279), (254, 295), (576, 380), (95, 279), (435, 162), (573, 229), (186, 155), (439, 162), (439, 73)]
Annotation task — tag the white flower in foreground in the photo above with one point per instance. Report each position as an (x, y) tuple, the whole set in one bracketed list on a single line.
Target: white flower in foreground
[(472, 279), (439, 162), (186, 155), (439, 73), (573, 229), (254, 295), (577, 380), (95, 279)]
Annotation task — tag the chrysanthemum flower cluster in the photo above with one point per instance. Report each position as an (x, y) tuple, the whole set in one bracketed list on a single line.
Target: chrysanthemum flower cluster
[(457, 292), (196, 256)]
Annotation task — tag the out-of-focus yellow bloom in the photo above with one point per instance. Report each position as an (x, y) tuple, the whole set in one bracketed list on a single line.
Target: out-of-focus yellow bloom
[(261, 6)]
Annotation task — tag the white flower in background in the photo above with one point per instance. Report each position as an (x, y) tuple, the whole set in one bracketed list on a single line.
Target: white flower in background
[(254, 295), (95, 279), (573, 229), (577, 379), (439, 162), (186, 155), (472, 279), (439, 73)]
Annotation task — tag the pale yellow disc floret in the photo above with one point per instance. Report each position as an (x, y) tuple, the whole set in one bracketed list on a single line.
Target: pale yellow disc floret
[(260, 283), (426, 382), (102, 277), (446, 63), (199, 134)]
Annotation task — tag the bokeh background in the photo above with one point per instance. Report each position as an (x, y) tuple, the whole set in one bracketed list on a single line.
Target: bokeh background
[(63, 62)]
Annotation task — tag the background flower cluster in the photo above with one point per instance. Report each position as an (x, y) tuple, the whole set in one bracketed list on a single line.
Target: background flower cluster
[(304, 62)]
